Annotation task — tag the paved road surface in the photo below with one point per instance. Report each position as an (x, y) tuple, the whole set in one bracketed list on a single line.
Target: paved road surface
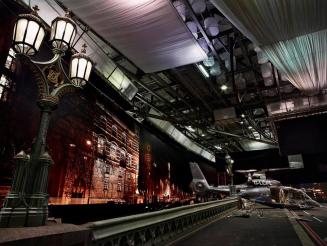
[(264, 227), (316, 219)]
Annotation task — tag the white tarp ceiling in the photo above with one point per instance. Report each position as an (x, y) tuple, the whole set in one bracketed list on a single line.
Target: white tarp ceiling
[(148, 32), (292, 33)]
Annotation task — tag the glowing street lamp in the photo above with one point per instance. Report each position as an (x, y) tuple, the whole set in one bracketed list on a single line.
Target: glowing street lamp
[(26, 204), (80, 68), (63, 31), (29, 32)]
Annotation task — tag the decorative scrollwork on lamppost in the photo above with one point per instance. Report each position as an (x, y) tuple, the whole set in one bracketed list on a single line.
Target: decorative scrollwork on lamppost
[(27, 202)]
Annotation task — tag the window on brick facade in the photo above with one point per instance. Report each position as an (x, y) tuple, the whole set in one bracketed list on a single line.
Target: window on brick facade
[(101, 145), (113, 150), (114, 131)]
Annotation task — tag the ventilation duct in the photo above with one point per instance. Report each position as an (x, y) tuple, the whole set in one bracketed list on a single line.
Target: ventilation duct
[(211, 26), (180, 7), (215, 70), (193, 28), (198, 6), (209, 62), (204, 45), (291, 33)]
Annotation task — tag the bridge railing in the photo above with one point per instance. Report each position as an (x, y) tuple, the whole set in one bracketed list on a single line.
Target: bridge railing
[(156, 228)]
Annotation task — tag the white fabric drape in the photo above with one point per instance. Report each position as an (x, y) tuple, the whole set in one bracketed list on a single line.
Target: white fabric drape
[(148, 32), (303, 60), (292, 33)]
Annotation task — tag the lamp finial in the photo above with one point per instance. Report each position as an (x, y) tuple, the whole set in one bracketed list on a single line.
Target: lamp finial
[(84, 48), (35, 9)]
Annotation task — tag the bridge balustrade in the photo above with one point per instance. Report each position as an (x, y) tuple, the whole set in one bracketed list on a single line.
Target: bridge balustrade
[(157, 228)]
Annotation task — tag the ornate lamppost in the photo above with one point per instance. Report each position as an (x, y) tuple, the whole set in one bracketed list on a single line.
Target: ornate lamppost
[(27, 202)]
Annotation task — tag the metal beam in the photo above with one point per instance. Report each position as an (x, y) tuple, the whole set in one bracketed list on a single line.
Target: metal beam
[(244, 137)]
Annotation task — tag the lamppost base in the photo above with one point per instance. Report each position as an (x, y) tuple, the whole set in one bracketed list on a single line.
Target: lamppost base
[(20, 217)]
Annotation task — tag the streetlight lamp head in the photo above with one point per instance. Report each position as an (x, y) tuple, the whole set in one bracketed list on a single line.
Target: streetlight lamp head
[(29, 32), (63, 31), (80, 68)]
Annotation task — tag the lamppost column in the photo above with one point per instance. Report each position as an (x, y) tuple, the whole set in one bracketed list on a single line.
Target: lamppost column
[(47, 105), (36, 190)]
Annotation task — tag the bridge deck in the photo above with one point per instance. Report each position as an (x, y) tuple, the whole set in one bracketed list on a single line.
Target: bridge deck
[(265, 226)]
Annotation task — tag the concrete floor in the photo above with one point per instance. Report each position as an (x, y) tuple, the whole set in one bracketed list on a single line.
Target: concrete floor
[(264, 227), (316, 219)]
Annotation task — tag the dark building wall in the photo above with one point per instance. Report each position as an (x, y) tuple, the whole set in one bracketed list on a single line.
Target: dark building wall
[(162, 158)]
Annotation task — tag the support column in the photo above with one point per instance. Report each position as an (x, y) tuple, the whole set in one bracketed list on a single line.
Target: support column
[(13, 212)]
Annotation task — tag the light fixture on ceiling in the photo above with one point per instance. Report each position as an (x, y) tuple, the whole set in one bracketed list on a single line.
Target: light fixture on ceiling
[(241, 122), (243, 115), (209, 62), (218, 147), (223, 87), (250, 127), (203, 70), (190, 128)]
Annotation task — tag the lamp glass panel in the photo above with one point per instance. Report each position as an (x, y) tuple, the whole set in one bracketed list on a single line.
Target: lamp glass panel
[(81, 67), (32, 30), (20, 30), (39, 39), (53, 30), (60, 28), (73, 67), (88, 71), (69, 33)]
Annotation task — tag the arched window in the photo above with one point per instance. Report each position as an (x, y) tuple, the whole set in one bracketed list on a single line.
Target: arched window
[(123, 157), (11, 62), (119, 186), (101, 145), (129, 160), (113, 150), (106, 181), (124, 138), (114, 131), (122, 154), (6, 82)]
